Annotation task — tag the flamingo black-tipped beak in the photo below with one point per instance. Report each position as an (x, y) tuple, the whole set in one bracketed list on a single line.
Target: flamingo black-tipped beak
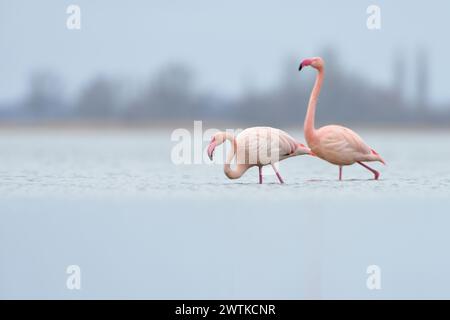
[(305, 63), (211, 148)]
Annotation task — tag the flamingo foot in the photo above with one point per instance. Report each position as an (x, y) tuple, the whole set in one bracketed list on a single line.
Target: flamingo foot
[(340, 173), (376, 174), (260, 175)]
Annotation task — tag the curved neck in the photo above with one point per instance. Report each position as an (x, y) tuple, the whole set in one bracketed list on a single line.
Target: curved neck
[(240, 169), (309, 127), (236, 173)]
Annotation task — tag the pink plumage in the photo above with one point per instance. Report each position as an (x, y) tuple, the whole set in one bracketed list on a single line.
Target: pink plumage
[(336, 144), (257, 146)]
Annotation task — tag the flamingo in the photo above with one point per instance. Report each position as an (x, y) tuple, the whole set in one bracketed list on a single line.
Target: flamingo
[(335, 144), (257, 146)]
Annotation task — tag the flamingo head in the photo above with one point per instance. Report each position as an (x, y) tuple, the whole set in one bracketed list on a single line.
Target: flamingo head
[(316, 63), (216, 140)]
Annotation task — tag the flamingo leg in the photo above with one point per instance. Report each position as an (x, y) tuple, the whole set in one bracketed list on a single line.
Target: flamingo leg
[(260, 175), (340, 173), (375, 172), (277, 173)]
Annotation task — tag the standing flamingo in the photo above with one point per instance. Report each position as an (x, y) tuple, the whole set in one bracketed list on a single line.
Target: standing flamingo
[(257, 146), (335, 144)]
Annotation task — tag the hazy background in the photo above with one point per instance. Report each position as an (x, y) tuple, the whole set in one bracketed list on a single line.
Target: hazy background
[(232, 61), (110, 199)]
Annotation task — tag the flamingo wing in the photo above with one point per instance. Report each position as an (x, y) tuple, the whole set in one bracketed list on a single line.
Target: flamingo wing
[(264, 145), (342, 145)]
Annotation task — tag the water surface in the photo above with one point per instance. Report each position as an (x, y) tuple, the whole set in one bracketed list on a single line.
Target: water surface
[(139, 226)]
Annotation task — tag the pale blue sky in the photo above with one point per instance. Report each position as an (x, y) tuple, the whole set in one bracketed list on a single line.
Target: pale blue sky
[(226, 42)]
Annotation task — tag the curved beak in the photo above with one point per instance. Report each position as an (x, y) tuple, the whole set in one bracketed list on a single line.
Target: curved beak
[(211, 147), (305, 63)]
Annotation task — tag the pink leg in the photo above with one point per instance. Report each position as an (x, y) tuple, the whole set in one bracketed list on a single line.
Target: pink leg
[(260, 175), (340, 173), (277, 173), (375, 172)]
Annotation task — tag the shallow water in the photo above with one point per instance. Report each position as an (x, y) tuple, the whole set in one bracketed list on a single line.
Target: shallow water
[(141, 227)]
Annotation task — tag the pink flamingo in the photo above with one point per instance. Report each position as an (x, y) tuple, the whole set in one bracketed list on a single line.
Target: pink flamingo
[(335, 144), (257, 146)]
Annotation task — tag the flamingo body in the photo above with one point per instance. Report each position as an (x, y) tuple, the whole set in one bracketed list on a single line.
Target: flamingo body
[(265, 145), (336, 144), (257, 146), (340, 146)]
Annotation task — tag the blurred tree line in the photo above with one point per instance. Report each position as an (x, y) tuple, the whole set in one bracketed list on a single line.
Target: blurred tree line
[(171, 94)]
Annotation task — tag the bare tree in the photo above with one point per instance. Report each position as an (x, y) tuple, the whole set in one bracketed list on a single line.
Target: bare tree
[(45, 94), (99, 99)]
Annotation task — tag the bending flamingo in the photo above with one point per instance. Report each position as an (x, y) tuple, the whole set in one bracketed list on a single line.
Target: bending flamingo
[(335, 144), (257, 146)]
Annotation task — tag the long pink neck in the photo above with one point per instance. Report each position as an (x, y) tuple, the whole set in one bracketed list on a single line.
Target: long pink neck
[(240, 169), (236, 173), (309, 128)]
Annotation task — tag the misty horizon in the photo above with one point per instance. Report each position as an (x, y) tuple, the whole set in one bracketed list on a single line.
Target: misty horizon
[(229, 49)]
